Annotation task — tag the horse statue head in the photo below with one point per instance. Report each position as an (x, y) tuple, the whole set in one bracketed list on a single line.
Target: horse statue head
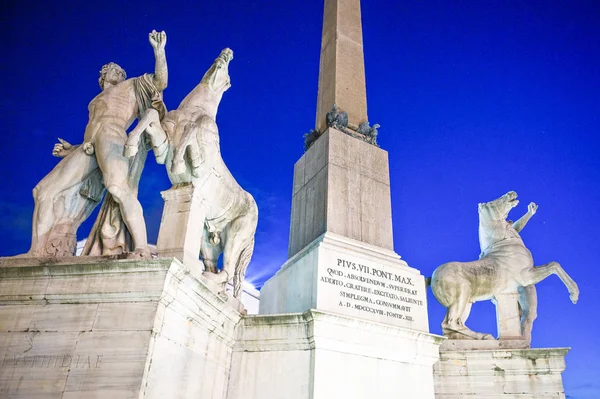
[(493, 226), (208, 93)]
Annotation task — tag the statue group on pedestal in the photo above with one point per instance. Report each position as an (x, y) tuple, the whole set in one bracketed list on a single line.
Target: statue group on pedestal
[(186, 140)]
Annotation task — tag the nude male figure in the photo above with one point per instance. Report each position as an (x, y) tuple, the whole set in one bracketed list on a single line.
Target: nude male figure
[(111, 113)]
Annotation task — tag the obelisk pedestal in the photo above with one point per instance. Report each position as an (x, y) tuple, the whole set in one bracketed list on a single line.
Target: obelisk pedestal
[(341, 256)]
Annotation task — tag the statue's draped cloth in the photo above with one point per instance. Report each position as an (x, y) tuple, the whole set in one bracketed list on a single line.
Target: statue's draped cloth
[(109, 235)]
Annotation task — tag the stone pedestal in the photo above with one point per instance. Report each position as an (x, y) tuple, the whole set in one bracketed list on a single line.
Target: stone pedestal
[(347, 277), (508, 317), (107, 328), (182, 226), (500, 374), (342, 186), (319, 355)]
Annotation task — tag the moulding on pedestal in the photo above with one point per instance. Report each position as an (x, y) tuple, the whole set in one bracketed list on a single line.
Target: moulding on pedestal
[(501, 374), (351, 278), (319, 354)]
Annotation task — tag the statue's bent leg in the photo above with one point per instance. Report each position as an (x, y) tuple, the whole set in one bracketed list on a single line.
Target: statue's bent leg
[(110, 143), (187, 139), (71, 170), (534, 275), (528, 305)]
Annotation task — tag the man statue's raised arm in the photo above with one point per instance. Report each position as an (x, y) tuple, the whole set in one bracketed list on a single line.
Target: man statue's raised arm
[(161, 74)]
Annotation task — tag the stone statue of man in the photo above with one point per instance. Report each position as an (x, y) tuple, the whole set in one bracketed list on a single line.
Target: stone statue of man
[(67, 195)]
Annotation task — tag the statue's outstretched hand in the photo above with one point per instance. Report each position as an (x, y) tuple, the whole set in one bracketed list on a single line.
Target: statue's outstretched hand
[(157, 39), (62, 148), (532, 208)]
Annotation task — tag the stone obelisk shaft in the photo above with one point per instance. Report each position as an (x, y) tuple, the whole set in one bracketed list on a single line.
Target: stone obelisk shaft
[(342, 68)]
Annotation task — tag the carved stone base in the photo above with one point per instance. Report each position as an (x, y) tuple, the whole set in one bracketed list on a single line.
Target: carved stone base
[(483, 344), (500, 374), (182, 226), (104, 328), (320, 355), (351, 278)]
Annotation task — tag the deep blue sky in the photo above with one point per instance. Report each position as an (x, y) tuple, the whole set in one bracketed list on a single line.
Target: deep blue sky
[(474, 99)]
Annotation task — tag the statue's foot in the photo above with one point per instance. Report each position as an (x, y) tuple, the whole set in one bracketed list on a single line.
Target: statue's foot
[(140, 253), (130, 150)]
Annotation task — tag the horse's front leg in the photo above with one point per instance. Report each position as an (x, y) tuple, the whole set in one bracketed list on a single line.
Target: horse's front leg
[(534, 275), (133, 138), (528, 305)]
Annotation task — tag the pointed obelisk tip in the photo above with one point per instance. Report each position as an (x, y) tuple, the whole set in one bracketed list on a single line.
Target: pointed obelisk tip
[(342, 66)]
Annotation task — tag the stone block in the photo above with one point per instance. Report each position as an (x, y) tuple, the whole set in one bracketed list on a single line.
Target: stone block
[(500, 374), (323, 355), (181, 227), (113, 329), (508, 317), (340, 275), (345, 191), (64, 317), (15, 317), (125, 316)]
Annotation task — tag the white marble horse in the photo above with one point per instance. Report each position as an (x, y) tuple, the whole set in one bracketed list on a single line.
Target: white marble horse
[(505, 266)]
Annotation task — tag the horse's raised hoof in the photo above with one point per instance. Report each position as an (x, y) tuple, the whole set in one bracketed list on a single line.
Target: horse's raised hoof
[(488, 337), (574, 297)]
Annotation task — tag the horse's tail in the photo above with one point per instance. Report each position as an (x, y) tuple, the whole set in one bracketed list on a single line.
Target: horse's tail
[(240, 267)]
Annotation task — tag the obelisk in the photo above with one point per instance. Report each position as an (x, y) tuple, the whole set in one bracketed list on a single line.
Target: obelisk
[(341, 250), (342, 67)]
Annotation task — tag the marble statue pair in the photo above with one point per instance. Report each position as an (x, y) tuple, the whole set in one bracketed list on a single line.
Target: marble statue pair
[(186, 140), (505, 265)]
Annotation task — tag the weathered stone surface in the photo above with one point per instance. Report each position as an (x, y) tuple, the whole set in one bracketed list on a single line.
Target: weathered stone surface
[(105, 328), (341, 185), (323, 355), (500, 374)]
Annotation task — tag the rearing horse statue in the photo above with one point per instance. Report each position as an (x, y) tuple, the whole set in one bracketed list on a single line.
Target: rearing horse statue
[(504, 266), (187, 141)]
